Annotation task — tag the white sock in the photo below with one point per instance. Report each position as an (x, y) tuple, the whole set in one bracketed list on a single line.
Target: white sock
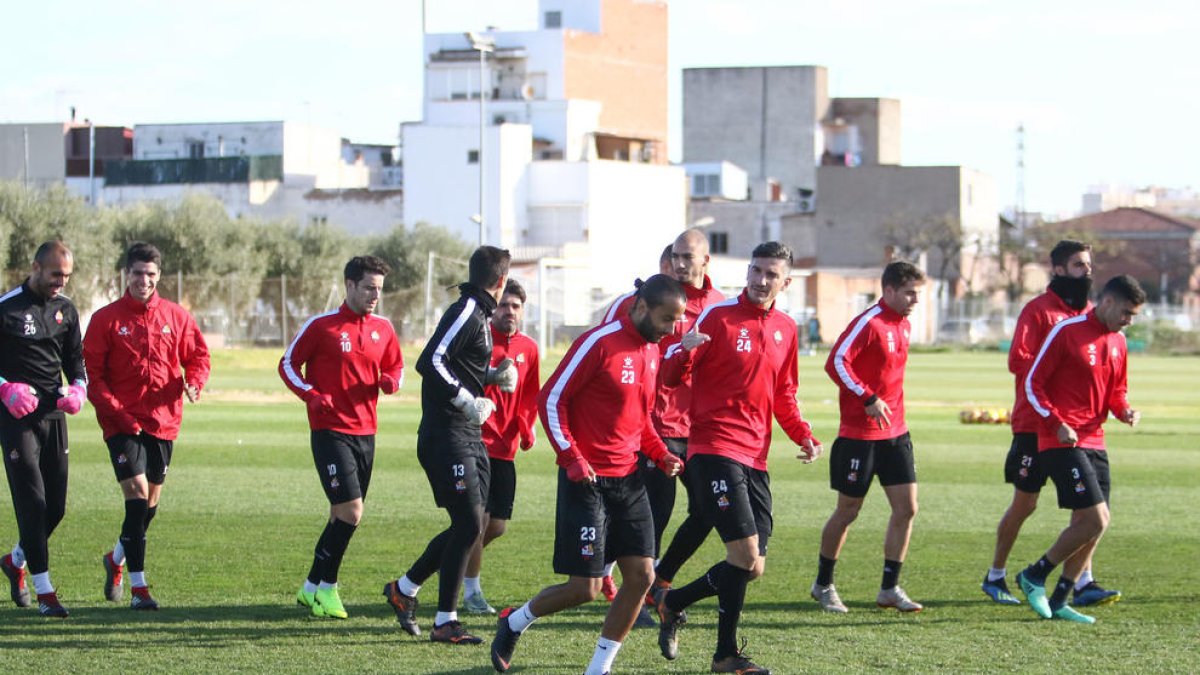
[(309, 587), (608, 569), (521, 619), (444, 618), (603, 657), (1084, 580), (18, 556), (407, 587), (137, 579), (996, 574), (325, 585), (41, 583), (471, 585), (119, 553)]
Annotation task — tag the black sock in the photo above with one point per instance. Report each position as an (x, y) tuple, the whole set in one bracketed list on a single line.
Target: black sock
[(133, 534), (1063, 588), (336, 542), (687, 540), (704, 587), (320, 556), (730, 597), (150, 511), (1039, 570), (825, 570), (891, 574)]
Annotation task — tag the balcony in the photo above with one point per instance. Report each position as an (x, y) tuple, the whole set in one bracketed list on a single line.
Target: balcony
[(191, 171)]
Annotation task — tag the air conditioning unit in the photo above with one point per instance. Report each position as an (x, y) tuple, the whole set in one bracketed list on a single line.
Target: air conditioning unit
[(806, 200)]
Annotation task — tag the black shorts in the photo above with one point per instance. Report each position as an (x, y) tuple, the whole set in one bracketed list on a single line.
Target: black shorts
[(1080, 474), (853, 463), (734, 498), (35, 459), (1021, 467), (502, 488), (343, 463), (141, 454), (612, 514), (458, 470)]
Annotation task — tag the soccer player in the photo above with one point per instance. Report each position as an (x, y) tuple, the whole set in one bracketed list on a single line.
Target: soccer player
[(512, 425), (596, 411), (39, 343), (455, 367), (741, 359), (347, 356), (135, 350), (1066, 296), (1076, 381), (867, 364)]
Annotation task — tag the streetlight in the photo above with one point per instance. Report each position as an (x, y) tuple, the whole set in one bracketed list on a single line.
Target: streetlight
[(482, 44)]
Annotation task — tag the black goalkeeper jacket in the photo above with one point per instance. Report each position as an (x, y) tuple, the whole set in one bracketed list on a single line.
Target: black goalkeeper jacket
[(456, 358)]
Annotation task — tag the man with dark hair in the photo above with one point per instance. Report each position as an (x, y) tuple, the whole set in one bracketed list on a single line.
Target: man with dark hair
[(348, 356), (512, 425), (595, 408), (455, 368), (1065, 297), (39, 344), (867, 364), (1077, 380), (144, 354), (740, 357)]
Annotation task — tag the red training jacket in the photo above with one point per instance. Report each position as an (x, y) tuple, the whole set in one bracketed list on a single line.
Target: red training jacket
[(1034, 323), (745, 374), (133, 352), (512, 422), (867, 361), (671, 404), (343, 355), (1077, 378), (597, 402)]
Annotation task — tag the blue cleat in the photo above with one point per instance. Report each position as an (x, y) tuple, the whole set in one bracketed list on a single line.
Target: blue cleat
[(998, 591), (1035, 594), (1094, 595)]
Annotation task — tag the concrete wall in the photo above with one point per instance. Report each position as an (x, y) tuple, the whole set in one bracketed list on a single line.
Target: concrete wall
[(46, 153), (746, 224), (878, 122), (584, 15), (228, 139)]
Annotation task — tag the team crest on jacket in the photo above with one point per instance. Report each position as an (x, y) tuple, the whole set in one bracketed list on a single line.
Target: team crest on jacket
[(778, 337), (520, 358), (58, 316), (166, 329), (123, 331), (374, 336)]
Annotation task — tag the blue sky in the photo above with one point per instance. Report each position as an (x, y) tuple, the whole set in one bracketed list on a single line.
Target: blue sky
[(1106, 90)]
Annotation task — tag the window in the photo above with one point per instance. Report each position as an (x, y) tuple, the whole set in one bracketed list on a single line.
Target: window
[(196, 149), (718, 242), (472, 157), (706, 185), (553, 20)]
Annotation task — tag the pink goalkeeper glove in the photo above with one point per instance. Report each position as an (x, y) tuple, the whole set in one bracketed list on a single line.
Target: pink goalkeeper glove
[(19, 398), (72, 402)]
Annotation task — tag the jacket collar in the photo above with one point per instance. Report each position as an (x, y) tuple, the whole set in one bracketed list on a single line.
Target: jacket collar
[(888, 314), (485, 299), (498, 337), (694, 293), (132, 304), (747, 304)]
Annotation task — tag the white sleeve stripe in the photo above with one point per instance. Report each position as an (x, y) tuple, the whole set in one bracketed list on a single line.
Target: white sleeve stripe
[(839, 358), (552, 420), (724, 303), (11, 294), (611, 314), (438, 357), (1033, 401), (290, 370)]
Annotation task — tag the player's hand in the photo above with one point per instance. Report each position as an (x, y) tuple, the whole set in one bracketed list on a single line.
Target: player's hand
[(388, 384), (476, 409), (1067, 436), (1131, 417), (579, 471), (318, 403), (810, 450), (880, 412), (670, 464), (528, 441), (20, 399), (192, 392), (504, 375), (692, 340), (71, 401)]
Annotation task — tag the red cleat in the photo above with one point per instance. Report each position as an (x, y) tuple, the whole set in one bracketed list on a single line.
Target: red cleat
[(608, 587)]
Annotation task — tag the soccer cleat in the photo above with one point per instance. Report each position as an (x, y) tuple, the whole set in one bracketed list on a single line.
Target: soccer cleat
[(16, 581), (405, 607), (644, 619), (740, 664), (998, 591), (1067, 613), (452, 632), (113, 590), (505, 642), (475, 603), (1094, 595), (141, 600), (896, 598), (669, 622), (609, 588), (828, 597), (1035, 594), (330, 603), (48, 605), (305, 599)]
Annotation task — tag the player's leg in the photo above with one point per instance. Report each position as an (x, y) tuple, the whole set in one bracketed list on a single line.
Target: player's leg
[(502, 488), (1025, 473), (54, 467), (21, 449), (851, 468), (1088, 592), (731, 592), (466, 525), (128, 455), (690, 534), (343, 465), (897, 473)]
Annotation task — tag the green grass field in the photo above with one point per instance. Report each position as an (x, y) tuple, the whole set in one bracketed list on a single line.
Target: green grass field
[(242, 509)]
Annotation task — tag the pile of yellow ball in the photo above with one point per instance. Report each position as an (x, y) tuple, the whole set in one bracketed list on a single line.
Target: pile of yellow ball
[(984, 416)]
